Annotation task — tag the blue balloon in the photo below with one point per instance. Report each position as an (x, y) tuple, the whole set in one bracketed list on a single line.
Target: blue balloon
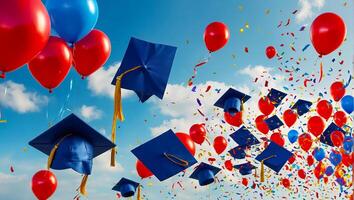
[(335, 157), (329, 171), (348, 144), (293, 135), (347, 103), (72, 19), (319, 153)]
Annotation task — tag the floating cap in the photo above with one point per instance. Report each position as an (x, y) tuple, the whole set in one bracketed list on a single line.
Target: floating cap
[(273, 122), (276, 96), (325, 138), (232, 100), (126, 187), (164, 155), (245, 168), (301, 107), (244, 137), (72, 143), (238, 152), (205, 174)]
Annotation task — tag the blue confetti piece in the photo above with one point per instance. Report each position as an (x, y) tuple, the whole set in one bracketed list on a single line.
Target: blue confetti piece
[(305, 47)]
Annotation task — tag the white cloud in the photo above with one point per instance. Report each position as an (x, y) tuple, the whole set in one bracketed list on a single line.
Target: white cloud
[(90, 112), (100, 82), (306, 8), (102, 164), (17, 97)]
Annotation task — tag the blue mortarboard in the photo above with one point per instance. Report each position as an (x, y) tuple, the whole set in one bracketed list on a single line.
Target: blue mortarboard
[(231, 101), (205, 174), (274, 156), (238, 152), (301, 106), (325, 138), (126, 187), (164, 155), (245, 168), (244, 137), (276, 96), (72, 143), (273, 122)]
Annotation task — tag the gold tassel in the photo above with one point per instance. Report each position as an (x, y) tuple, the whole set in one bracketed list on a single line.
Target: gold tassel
[(262, 171), (51, 156), (118, 110), (138, 197), (83, 185)]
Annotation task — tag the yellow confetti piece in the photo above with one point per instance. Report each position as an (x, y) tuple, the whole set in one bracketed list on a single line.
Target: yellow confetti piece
[(241, 30), (3, 121), (247, 25)]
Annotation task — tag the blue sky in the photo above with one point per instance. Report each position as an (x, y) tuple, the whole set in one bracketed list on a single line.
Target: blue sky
[(29, 108)]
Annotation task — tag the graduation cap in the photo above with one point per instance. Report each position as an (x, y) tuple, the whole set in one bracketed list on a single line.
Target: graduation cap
[(238, 152), (164, 155), (232, 101), (274, 157), (276, 96), (301, 106), (325, 138), (145, 69), (72, 143), (244, 137), (245, 168), (205, 174), (273, 122), (126, 187)]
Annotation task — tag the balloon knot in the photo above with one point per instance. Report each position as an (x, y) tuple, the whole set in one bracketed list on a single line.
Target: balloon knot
[(50, 91), (82, 77)]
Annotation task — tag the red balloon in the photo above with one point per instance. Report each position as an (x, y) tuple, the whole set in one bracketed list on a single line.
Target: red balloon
[(327, 33), (52, 64), (324, 109), (245, 182), (235, 120), (187, 141), (340, 118), (319, 170), (220, 144), (265, 105), (44, 184), (305, 141), (302, 174), (277, 138), (347, 159), (261, 125), (310, 160), (289, 117), (315, 125), (91, 52), (285, 182), (337, 138), (216, 36), (228, 165), (270, 52), (198, 133), (24, 31), (337, 90), (142, 170)]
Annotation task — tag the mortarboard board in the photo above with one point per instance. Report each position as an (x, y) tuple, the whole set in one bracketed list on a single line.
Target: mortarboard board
[(72, 143), (164, 155), (145, 69), (274, 157), (273, 122), (276, 96), (301, 106), (205, 174), (244, 137), (325, 137), (126, 187), (231, 101), (245, 168), (238, 152)]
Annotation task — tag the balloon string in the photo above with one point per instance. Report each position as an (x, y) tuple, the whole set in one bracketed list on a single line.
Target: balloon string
[(65, 108), (1, 119), (195, 69)]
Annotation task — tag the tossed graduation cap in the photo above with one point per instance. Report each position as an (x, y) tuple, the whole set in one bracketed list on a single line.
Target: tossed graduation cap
[(238, 152), (245, 168), (301, 106), (276, 96), (145, 69), (232, 101), (325, 138), (126, 187), (274, 157), (72, 143), (205, 173), (164, 155), (273, 122), (244, 137)]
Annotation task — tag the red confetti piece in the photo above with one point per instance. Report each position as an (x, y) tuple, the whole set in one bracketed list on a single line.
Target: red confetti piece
[(266, 84), (200, 112), (280, 23), (246, 49), (288, 22), (321, 72), (305, 82), (12, 170), (208, 88)]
